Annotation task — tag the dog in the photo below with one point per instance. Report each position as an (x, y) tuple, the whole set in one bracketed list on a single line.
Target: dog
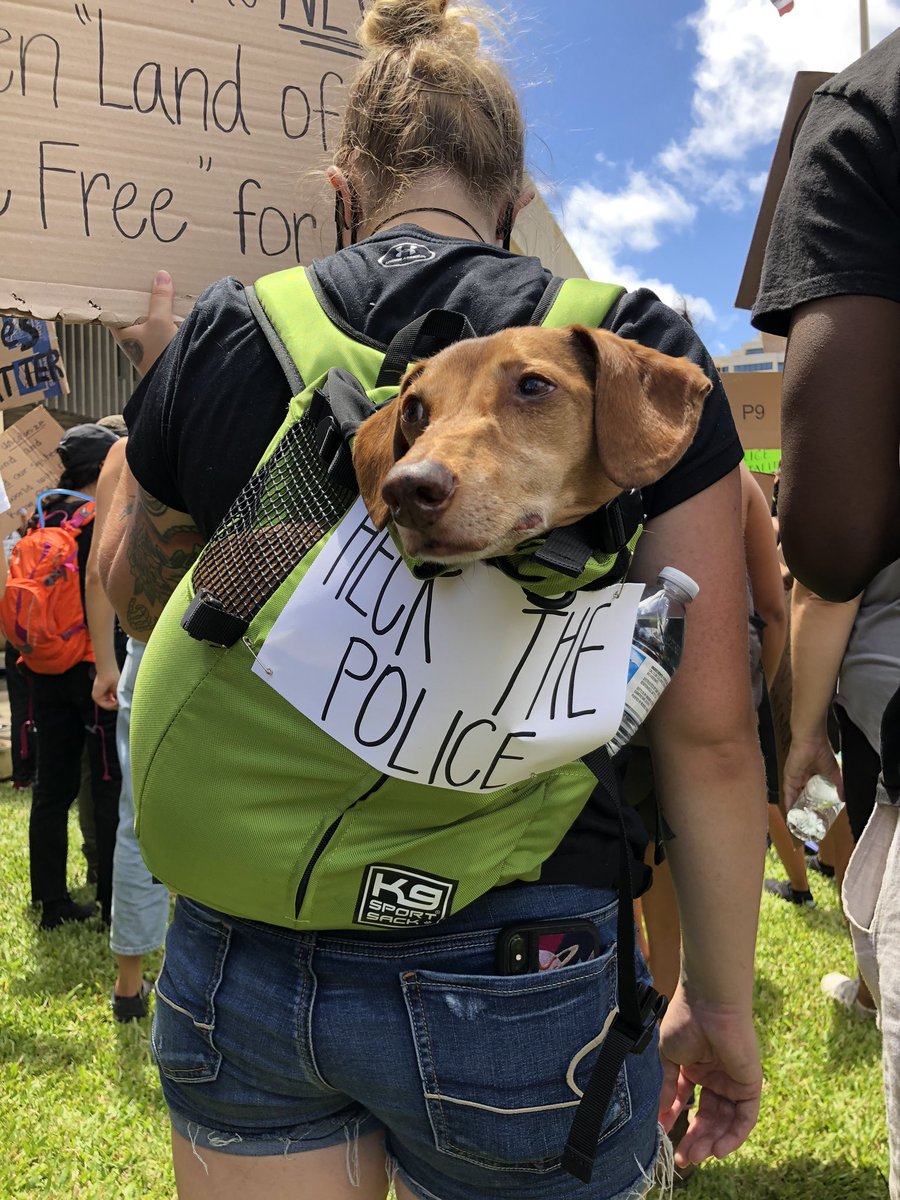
[(500, 439)]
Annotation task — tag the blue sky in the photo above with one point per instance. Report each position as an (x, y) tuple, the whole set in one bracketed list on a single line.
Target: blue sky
[(653, 124)]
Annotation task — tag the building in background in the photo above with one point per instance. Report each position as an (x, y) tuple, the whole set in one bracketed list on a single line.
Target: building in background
[(764, 353)]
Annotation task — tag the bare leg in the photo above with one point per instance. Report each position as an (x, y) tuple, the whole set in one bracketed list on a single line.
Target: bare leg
[(129, 976), (312, 1175), (788, 850)]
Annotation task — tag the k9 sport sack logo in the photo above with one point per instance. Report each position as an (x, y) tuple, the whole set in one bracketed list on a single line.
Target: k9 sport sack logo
[(392, 895)]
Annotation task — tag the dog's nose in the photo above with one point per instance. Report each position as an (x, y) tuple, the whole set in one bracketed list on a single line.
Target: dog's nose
[(417, 493)]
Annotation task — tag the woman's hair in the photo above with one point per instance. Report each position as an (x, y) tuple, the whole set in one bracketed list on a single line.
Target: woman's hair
[(428, 100)]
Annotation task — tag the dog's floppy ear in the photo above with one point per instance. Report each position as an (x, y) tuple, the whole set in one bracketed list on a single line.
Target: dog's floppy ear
[(646, 406), (377, 446), (379, 443)]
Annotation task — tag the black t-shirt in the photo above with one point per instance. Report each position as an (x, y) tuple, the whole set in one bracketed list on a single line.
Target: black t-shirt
[(836, 229), (201, 419)]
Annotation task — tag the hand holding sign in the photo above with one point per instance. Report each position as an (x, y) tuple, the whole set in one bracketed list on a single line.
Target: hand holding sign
[(144, 341)]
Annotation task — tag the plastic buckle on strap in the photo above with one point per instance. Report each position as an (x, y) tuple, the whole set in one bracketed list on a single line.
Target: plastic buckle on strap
[(653, 1009), (206, 620)]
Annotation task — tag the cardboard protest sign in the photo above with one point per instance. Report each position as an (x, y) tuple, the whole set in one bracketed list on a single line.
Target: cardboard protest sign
[(29, 463), (755, 400), (456, 682), (186, 135), (763, 462), (805, 83), (31, 366)]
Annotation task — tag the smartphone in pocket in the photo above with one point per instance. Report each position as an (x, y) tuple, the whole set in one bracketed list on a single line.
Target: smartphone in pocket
[(532, 946)]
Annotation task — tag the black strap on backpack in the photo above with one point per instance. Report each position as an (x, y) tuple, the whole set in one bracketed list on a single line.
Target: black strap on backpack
[(340, 405), (437, 329), (640, 1007), (608, 530)]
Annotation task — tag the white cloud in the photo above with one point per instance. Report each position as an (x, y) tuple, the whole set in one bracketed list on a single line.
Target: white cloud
[(602, 226), (748, 57)]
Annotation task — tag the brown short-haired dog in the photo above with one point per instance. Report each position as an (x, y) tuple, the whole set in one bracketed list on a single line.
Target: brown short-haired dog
[(499, 439)]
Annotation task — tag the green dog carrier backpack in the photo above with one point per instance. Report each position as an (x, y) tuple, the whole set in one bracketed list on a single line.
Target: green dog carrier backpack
[(274, 750)]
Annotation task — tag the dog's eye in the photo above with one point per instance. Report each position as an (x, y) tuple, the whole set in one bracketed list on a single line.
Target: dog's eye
[(533, 387), (413, 412)]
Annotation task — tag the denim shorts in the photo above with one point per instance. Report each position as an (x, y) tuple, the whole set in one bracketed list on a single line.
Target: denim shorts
[(271, 1041)]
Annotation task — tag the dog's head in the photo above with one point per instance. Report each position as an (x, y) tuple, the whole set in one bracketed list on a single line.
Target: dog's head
[(500, 439)]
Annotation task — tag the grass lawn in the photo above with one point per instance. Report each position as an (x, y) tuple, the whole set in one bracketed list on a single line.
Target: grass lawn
[(81, 1116)]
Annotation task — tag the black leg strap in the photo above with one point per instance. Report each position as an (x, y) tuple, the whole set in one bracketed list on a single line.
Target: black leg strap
[(640, 1008)]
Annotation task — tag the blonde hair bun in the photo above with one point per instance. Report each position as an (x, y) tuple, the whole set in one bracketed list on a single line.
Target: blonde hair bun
[(399, 24)]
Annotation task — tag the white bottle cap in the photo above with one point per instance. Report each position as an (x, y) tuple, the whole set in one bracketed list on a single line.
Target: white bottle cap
[(673, 575)]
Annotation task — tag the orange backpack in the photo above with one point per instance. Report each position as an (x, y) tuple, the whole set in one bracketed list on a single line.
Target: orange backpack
[(41, 610)]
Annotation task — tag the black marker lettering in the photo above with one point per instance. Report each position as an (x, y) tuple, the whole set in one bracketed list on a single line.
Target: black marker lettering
[(583, 649), (23, 55), (459, 783), (86, 195), (541, 614), (324, 112), (486, 785), (392, 761), (119, 205), (43, 170), (425, 592), (156, 97), (238, 116), (378, 548), (383, 706), (297, 133), (343, 669), (444, 744), (159, 207), (101, 52), (3, 41)]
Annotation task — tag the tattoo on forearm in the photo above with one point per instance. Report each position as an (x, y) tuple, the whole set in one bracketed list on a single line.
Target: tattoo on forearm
[(158, 558), (134, 349)]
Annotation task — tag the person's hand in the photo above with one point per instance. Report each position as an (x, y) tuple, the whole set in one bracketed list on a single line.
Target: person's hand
[(103, 691), (145, 341), (809, 756), (714, 1049)]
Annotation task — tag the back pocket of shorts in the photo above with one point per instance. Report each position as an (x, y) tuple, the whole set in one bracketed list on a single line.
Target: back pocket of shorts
[(184, 1018), (503, 1060)]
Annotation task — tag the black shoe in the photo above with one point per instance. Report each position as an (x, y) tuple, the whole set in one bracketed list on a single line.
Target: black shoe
[(783, 889), (57, 912), (814, 863), (132, 1008)]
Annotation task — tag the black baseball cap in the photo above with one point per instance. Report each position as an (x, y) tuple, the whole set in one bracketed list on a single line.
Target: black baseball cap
[(85, 446)]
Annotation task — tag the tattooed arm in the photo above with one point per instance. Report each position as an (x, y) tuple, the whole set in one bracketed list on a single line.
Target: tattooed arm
[(145, 549)]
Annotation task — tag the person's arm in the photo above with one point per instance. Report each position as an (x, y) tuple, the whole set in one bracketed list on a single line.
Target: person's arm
[(764, 570), (711, 787), (100, 615), (820, 631), (145, 549), (839, 502)]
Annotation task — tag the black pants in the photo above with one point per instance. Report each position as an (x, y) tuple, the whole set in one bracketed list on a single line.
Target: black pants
[(20, 714), (859, 767), (66, 720)]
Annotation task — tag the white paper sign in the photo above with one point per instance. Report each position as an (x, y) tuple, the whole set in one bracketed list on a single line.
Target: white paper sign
[(458, 682)]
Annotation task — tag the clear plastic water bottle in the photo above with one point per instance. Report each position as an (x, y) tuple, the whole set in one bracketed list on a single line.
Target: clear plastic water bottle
[(816, 810), (655, 649)]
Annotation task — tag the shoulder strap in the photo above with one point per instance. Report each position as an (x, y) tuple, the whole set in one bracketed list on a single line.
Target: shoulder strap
[(305, 341), (582, 302)]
